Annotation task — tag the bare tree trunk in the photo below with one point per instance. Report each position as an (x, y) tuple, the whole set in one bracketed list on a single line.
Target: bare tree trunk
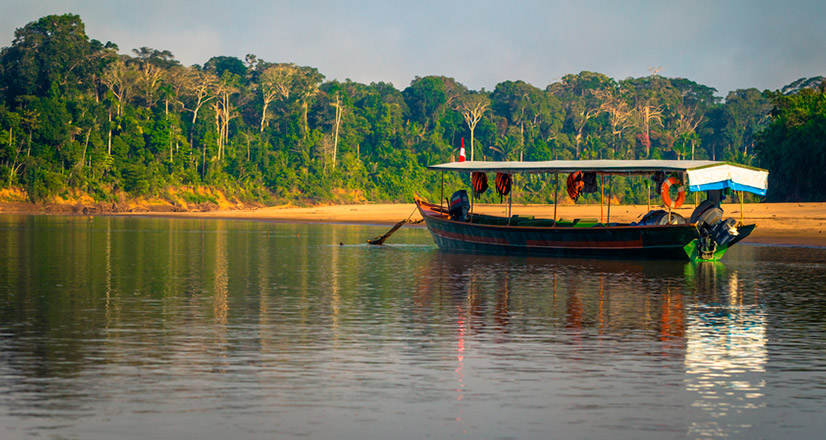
[(171, 133), (472, 109), (192, 128), (226, 119), (472, 129), (264, 115), (109, 140), (203, 162), (578, 139), (218, 135), (339, 111), (306, 106), (86, 144)]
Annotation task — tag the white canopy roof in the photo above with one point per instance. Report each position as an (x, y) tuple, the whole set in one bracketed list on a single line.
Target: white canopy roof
[(702, 174)]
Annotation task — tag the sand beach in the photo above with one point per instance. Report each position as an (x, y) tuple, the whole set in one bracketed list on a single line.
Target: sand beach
[(777, 223)]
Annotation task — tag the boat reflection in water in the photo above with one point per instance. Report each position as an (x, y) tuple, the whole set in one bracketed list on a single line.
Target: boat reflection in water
[(726, 353), (691, 326)]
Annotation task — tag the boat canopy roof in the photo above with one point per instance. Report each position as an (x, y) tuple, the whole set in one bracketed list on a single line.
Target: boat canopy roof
[(703, 175)]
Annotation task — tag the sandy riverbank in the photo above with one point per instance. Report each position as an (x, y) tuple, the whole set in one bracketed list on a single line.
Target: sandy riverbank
[(778, 223)]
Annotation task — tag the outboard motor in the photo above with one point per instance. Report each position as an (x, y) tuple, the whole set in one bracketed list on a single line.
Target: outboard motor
[(714, 231), (459, 206), (725, 231), (661, 217), (706, 214)]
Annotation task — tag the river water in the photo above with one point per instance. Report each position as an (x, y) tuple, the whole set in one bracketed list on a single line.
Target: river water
[(136, 328)]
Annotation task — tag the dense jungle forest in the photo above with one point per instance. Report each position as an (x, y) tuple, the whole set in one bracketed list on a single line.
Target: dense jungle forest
[(77, 116)]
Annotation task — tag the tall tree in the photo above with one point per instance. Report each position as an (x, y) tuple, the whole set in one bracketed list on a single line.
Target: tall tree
[(199, 87), (221, 64), (306, 83), (746, 112), (473, 108), (619, 115), (224, 110), (425, 98), (121, 80), (793, 145), (337, 124), (688, 118), (53, 50), (647, 113), (275, 83), (524, 109), (581, 94)]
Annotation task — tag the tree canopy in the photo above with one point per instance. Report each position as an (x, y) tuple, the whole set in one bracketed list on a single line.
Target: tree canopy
[(76, 115)]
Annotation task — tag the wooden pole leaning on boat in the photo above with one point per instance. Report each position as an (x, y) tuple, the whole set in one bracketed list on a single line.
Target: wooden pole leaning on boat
[(381, 238)]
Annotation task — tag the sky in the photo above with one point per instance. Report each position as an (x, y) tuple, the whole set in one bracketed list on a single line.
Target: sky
[(723, 44)]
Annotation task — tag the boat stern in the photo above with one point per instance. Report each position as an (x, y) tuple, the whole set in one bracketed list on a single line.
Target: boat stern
[(712, 245)]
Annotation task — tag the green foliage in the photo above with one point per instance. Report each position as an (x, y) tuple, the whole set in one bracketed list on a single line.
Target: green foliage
[(53, 50), (793, 146), (76, 115), (222, 64), (192, 197), (40, 182)]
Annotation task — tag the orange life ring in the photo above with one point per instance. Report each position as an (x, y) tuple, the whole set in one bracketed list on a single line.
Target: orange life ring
[(667, 197)]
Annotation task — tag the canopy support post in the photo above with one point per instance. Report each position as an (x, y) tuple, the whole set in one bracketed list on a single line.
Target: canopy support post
[(556, 194), (648, 190), (472, 197), (442, 198), (741, 208), (601, 195), (510, 199), (610, 182)]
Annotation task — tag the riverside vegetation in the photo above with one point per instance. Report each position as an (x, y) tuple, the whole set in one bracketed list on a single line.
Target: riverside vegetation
[(79, 119)]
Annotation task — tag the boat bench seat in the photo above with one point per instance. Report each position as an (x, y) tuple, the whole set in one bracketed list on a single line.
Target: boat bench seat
[(500, 221), (541, 222), (579, 223)]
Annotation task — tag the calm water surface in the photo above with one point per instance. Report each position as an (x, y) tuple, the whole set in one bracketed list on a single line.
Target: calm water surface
[(209, 329)]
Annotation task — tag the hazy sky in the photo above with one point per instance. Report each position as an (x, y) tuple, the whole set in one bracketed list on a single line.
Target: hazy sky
[(723, 44)]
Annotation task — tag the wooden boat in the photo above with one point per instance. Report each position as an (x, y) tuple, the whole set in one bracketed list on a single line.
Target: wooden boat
[(705, 236)]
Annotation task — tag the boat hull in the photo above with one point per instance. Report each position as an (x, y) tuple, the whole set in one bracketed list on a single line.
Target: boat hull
[(626, 242)]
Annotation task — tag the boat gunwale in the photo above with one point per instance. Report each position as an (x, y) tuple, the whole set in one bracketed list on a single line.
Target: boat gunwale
[(441, 216)]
